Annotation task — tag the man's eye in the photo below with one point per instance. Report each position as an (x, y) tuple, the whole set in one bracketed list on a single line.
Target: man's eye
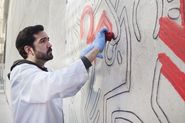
[(42, 41)]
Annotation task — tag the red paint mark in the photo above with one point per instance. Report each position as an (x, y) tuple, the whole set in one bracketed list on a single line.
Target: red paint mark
[(173, 35), (173, 74), (103, 22), (87, 11), (182, 11)]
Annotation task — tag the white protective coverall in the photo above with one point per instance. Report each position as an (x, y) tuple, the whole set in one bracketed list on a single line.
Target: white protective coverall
[(37, 95)]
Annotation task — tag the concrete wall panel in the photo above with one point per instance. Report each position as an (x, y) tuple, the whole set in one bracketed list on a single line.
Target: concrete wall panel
[(133, 83)]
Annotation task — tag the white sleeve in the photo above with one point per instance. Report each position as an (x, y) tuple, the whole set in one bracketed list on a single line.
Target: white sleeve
[(42, 86)]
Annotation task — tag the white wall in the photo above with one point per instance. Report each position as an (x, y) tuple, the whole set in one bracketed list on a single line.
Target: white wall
[(134, 82)]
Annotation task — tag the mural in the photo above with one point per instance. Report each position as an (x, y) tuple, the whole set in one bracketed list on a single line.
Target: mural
[(109, 96)]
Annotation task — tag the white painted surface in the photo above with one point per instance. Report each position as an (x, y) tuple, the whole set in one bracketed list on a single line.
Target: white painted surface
[(5, 112)]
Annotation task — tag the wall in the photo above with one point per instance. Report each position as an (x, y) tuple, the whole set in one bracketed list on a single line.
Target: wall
[(141, 77)]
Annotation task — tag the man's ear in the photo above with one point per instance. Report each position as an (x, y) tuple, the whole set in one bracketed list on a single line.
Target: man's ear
[(28, 50)]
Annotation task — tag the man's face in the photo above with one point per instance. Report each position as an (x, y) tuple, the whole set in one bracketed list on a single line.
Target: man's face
[(42, 47)]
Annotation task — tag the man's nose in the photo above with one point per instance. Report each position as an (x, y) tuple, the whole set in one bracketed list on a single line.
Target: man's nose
[(49, 44)]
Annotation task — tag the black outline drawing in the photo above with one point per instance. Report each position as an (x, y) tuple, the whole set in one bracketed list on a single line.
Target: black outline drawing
[(160, 6), (91, 112), (96, 119), (135, 21), (96, 6), (121, 23), (160, 114), (125, 116), (119, 57), (174, 9), (169, 1), (159, 14)]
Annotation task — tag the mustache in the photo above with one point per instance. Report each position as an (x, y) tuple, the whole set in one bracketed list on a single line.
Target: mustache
[(49, 50)]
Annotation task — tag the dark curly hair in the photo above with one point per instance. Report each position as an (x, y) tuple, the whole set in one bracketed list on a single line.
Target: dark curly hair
[(26, 37)]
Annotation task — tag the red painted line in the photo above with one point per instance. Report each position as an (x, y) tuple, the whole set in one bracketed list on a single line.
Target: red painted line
[(87, 11), (182, 11), (103, 22), (173, 74), (173, 35)]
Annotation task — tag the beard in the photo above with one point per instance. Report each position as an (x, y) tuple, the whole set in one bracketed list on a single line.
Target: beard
[(44, 56)]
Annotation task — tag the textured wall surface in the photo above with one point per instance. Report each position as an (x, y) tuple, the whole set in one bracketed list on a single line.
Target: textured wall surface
[(142, 76)]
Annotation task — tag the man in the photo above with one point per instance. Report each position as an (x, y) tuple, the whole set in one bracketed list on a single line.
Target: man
[(37, 92)]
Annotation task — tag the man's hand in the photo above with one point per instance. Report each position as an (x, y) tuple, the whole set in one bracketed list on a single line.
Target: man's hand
[(100, 41)]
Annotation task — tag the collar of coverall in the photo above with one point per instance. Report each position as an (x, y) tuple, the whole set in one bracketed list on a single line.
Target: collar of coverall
[(22, 61)]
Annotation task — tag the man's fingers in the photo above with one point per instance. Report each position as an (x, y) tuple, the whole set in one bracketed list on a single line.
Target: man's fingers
[(103, 30)]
